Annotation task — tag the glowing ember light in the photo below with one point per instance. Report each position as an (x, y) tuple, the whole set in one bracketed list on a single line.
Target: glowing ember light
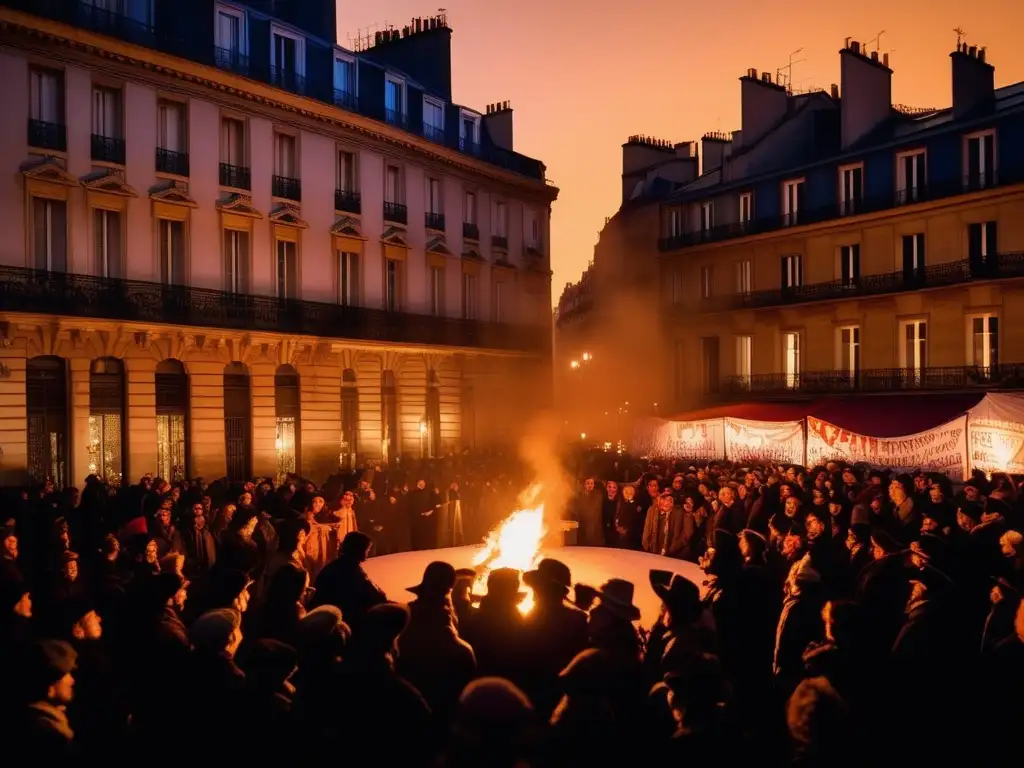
[(515, 543)]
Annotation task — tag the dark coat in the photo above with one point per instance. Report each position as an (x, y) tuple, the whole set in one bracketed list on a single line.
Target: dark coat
[(345, 585), (680, 532), (589, 513)]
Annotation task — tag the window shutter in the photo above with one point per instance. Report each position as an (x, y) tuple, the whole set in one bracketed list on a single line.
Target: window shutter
[(243, 262), (229, 273), (855, 277), (974, 242), (784, 280), (991, 244)]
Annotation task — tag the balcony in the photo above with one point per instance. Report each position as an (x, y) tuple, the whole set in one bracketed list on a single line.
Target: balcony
[(348, 202), (998, 266), (396, 213), (433, 133), (86, 296), (169, 161), (434, 221), (933, 190), (470, 231), (395, 117), (807, 384), (43, 135), (231, 60), (346, 100), (500, 242), (235, 177), (288, 80), (107, 149), (88, 15), (287, 188)]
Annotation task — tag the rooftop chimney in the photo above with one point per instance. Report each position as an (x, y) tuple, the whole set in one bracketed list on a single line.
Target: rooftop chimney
[(422, 49), (712, 150), (498, 124), (973, 80), (762, 104), (866, 93)]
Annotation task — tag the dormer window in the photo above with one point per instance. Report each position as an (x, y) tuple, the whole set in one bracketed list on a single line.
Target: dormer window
[(851, 188), (287, 59), (910, 176), (707, 216), (980, 160), (792, 201), (232, 40), (394, 100), (746, 207), (433, 119), (675, 222), (469, 131), (344, 80)]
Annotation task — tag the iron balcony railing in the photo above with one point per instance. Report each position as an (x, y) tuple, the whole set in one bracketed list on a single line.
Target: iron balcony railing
[(43, 135), (470, 231), (396, 213), (433, 133), (235, 176), (933, 190), (107, 149), (169, 161), (434, 221), (873, 380), (499, 241), (347, 201), (288, 188), (996, 266), (40, 292), (168, 39)]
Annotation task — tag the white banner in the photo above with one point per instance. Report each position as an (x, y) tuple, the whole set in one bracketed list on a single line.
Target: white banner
[(995, 429), (768, 442), (941, 449), (700, 440)]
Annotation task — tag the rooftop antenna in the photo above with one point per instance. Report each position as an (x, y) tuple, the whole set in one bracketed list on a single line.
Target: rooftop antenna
[(877, 41), (960, 35), (789, 68)]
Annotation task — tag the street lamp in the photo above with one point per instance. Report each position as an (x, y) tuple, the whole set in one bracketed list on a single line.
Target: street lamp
[(583, 435), (574, 364)]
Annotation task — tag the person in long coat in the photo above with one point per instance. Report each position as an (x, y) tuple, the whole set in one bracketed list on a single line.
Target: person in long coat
[(589, 513)]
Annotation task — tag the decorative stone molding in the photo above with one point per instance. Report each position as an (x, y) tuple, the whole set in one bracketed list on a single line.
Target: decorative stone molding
[(289, 216), (240, 205), (347, 226), (437, 244), (175, 193), (394, 236), (109, 182), (51, 170)]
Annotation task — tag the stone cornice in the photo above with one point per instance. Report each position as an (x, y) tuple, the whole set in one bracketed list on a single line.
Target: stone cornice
[(191, 74)]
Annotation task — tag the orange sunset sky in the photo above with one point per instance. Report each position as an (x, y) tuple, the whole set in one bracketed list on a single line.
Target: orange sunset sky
[(582, 75)]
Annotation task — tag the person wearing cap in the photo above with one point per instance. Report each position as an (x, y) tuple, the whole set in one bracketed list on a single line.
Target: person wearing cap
[(431, 655), (40, 689)]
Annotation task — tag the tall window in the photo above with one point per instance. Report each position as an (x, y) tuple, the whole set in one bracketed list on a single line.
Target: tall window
[(171, 420), (230, 33), (434, 196), (707, 282), (171, 130), (707, 216), (172, 251), (744, 277), (982, 243), (910, 176), (345, 81), (792, 272), (287, 413), (675, 222), (469, 131), (499, 302), (106, 420), (985, 341), (107, 242), (47, 416), (470, 212), (348, 278), (913, 254), (849, 265), (50, 234), (500, 219), (436, 291), (347, 171), (106, 112), (746, 207), (236, 261), (980, 160), (744, 358), (46, 96), (914, 352), (709, 364), (394, 100), (849, 351), (791, 358), (851, 189), (232, 142), (393, 184), (287, 283), (792, 201), (392, 285), (285, 156), (532, 228), (389, 416), (469, 298), (286, 54), (349, 418), (677, 285), (433, 118)]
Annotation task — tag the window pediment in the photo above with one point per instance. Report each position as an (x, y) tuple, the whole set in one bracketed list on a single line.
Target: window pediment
[(174, 193), (108, 182), (472, 255), (347, 226), (240, 205), (49, 169), (289, 216), (394, 236), (437, 245), (504, 263)]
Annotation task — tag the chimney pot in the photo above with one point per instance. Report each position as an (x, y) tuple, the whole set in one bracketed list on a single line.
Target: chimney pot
[(855, 46), (885, 59), (847, 44), (981, 55), (752, 73), (973, 51), (835, 91), (874, 55)]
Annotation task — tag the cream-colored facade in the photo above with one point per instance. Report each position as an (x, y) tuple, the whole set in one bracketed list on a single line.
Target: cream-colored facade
[(453, 331)]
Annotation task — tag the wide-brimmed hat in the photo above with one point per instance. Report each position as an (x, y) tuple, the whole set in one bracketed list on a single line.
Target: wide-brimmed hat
[(617, 596), (549, 575), (503, 582), (930, 547), (886, 542), (438, 580), (680, 595)]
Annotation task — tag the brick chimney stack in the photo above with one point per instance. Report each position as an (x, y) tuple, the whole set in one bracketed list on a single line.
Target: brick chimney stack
[(973, 80), (866, 99)]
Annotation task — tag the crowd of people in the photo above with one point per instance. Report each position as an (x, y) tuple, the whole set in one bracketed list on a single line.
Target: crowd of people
[(847, 617)]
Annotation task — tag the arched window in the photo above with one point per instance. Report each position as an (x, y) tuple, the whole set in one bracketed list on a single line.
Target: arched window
[(171, 420), (47, 400), (349, 419), (286, 410), (106, 420), (433, 416), (237, 422), (389, 417)]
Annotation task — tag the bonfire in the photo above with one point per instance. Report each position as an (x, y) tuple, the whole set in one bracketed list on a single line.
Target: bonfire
[(515, 543)]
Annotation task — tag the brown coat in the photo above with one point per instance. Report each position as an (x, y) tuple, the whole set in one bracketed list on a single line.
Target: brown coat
[(678, 537)]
